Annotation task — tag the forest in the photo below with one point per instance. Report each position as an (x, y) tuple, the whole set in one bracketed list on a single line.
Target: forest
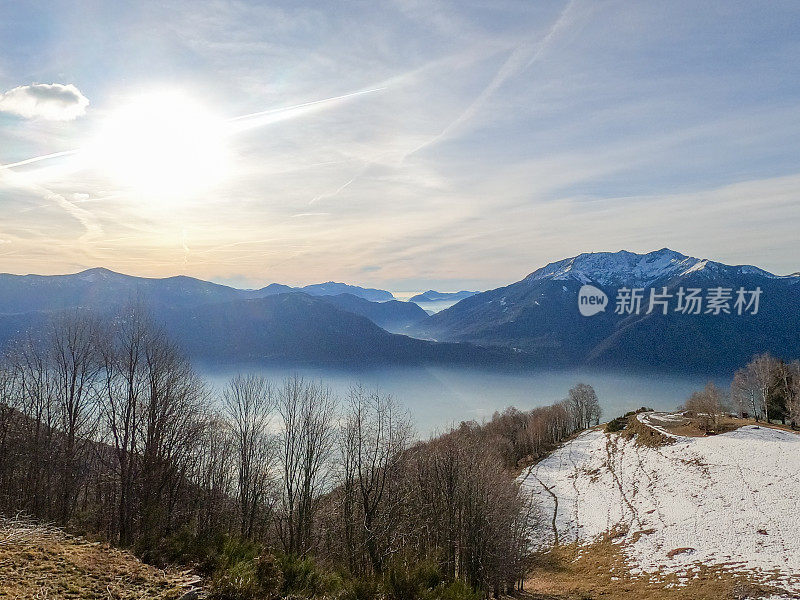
[(268, 489), (765, 389)]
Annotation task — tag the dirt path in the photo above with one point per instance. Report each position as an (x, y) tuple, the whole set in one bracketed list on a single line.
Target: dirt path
[(553, 522), (612, 452)]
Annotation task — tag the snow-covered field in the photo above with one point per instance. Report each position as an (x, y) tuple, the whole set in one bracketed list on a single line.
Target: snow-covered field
[(731, 500)]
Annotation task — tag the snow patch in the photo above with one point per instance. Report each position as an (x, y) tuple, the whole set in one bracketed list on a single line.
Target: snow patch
[(732, 499), (640, 270)]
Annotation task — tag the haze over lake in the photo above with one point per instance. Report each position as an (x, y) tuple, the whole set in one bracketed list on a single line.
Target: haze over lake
[(438, 397)]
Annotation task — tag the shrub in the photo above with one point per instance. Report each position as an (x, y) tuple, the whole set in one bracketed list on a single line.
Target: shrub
[(238, 582), (189, 548), (361, 589), (236, 550), (400, 584), (246, 578), (206, 552), (424, 582), (268, 574), (617, 424), (457, 590), (302, 577)]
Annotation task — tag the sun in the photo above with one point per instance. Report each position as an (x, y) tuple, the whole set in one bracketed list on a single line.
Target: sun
[(163, 145)]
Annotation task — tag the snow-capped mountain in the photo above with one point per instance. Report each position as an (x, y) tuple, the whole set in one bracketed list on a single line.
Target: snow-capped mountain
[(641, 270), (539, 314)]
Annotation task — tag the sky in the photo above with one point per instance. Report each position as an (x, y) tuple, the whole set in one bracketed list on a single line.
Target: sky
[(404, 144)]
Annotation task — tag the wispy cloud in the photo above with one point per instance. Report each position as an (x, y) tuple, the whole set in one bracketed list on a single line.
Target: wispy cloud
[(508, 134), (523, 56), (92, 228)]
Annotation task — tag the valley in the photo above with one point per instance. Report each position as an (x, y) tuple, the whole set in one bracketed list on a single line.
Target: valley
[(531, 324)]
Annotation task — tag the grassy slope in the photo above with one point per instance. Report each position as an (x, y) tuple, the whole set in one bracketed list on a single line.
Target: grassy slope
[(40, 562), (599, 570)]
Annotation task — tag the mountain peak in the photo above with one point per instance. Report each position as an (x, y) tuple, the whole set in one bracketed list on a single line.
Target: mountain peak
[(606, 268), (541, 314), (97, 274)]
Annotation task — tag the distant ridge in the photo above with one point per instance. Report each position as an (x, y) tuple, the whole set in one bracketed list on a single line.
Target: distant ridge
[(315, 325), (434, 296), (102, 289), (535, 320), (290, 329), (539, 315)]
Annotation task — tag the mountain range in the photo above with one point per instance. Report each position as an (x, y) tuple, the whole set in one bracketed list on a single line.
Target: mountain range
[(297, 328), (534, 321), (102, 289), (434, 296), (323, 324), (539, 315)]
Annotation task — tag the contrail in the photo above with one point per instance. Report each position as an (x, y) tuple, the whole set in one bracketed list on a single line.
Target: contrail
[(520, 59), (35, 159), (276, 111), (258, 118)]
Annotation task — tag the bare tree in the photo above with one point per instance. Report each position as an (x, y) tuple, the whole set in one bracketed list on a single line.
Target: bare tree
[(707, 405), (156, 460), (462, 508), (745, 393), (73, 341), (10, 426), (215, 477), (30, 360), (793, 403), (784, 394), (761, 370), (125, 386), (584, 406), (375, 434), (248, 403), (307, 439), (173, 423)]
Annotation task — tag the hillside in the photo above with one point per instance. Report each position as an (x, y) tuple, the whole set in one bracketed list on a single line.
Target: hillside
[(300, 329), (539, 315), (392, 315), (295, 328), (680, 510), (535, 320), (42, 562), (105, 290)]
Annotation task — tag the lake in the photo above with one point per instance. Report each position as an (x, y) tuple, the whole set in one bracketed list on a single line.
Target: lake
[(438, 397)]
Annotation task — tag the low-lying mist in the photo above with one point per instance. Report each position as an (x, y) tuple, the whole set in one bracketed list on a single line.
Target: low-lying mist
[(438, 397)]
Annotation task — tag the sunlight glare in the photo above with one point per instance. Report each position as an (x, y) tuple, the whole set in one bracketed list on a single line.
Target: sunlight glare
[(163, 144)]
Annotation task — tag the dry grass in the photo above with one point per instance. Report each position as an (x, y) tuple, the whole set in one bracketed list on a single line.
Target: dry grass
[(687, 427), (599, 570), (40, 562), (644, 435), (691, 426)]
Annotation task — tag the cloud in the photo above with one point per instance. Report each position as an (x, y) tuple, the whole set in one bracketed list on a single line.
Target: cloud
[(522, 57), (52, 102)]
